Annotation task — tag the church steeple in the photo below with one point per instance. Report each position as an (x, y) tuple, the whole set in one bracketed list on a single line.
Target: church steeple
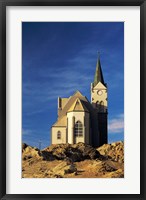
[(98, 73), (99, 100)]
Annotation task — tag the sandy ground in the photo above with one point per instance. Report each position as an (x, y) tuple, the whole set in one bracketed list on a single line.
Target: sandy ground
[(85, 169)]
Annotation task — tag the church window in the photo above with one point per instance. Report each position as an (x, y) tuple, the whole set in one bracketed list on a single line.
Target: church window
[(58, 135), (78, 129)]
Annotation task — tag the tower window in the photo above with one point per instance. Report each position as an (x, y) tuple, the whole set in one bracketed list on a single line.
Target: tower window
[(58, 135), (101, 103), (78, 129)]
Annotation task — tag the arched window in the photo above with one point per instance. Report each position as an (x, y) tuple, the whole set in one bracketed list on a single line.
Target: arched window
[(102, 103), (78, 129), (58, 135)]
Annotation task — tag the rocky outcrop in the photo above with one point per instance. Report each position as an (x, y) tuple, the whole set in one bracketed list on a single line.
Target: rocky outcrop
[(114, 151), (29, 152), (77, 152), (73, 161)]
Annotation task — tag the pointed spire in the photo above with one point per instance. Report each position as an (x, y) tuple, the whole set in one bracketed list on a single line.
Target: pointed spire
[(98, 73)]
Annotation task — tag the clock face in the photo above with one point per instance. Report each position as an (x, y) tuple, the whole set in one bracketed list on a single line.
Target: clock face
[(99, 92)]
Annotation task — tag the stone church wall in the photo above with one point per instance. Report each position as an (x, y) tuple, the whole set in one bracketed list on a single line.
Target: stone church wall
[(55, 131), (73, 117)]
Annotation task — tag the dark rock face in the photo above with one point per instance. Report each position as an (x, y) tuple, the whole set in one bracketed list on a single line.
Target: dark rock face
[(48, 156), (87, 151), (77, 152), (107, 167)]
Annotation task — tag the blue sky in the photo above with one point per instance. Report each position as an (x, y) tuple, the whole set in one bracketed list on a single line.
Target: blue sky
[(59, 58)]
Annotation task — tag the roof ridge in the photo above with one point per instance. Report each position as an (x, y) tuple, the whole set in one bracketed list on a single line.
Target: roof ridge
[(77, 92)]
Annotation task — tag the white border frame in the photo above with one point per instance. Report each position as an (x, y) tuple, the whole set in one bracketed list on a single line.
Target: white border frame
[(131, 183)]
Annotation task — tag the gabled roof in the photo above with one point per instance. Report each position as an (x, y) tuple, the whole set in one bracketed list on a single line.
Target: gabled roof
[(78, 105), (62, 121), (63, 102), (78, 94), (70, 102), (83, 105)]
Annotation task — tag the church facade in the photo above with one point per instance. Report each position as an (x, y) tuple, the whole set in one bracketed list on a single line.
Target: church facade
[(80, 120)]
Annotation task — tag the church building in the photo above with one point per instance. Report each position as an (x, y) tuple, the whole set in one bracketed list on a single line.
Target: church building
[(82, 121)]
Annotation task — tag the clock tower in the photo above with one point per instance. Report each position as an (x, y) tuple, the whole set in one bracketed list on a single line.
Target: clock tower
[(99, 102)]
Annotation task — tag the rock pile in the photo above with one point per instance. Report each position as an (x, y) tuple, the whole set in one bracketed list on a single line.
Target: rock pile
[(114, 151), (73, 161), (29, 152), (77, 152)]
